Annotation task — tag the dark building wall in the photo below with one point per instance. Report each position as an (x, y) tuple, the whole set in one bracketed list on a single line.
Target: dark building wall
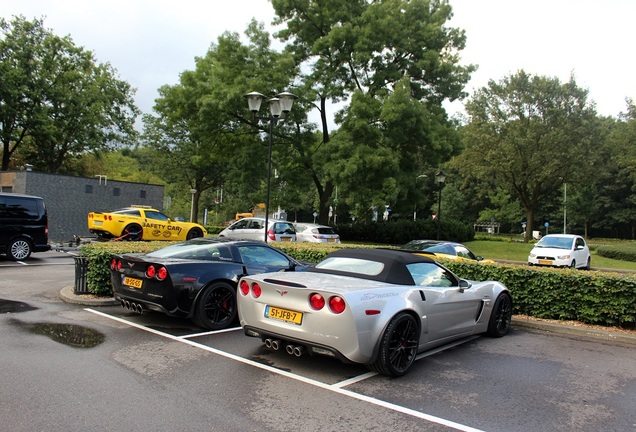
[(70, 199)]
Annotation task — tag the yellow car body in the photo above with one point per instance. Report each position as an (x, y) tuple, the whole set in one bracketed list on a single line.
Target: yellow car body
[(141, 223)]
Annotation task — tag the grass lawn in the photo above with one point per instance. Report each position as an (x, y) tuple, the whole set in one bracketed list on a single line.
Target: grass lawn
[(497, 250)]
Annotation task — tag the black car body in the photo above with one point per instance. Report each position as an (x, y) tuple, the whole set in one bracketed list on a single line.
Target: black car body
[(195, 279), (23, 225)]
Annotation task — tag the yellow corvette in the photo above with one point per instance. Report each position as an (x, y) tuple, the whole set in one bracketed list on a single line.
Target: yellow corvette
[(136, 223)]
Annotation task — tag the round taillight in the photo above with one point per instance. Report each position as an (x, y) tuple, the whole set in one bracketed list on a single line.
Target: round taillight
[(316, 301), (256, 290), (162, 273), (245, 288), (113, 264), (119, 264), (337, 304), (151, 271)]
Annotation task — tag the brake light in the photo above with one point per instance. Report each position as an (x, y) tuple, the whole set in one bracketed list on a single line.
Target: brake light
[(119, 264), (271, 235), (162, 273), (337, 304), (245, 288), (256, 290), (316, 301), (113, 264), (151, 271)]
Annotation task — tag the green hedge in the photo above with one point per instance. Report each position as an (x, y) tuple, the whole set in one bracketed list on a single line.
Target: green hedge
[(623, 251), (563, 294)]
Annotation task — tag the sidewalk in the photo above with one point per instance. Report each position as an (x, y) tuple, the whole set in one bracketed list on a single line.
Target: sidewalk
[(610, 335)]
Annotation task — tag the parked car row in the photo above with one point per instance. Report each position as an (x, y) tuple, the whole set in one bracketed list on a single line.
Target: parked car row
[(253, 228), (358, 305)]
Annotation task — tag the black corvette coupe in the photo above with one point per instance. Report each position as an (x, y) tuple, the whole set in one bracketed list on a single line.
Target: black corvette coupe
[(195, 279)]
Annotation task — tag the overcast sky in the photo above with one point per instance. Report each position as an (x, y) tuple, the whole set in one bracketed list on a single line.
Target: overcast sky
[(150, 42)]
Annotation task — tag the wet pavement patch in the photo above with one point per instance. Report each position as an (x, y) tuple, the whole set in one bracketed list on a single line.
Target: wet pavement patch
[(72, 335), (10, 306)]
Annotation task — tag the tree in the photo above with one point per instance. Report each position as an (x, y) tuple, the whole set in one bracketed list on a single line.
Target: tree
[(203, 142), (56, 101), (528, 133), (396, 62)]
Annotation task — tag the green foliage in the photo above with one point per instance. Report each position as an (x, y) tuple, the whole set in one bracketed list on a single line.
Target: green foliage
[(590, 297), (403, 231), (622, 251), (99, 255), (56, 101)]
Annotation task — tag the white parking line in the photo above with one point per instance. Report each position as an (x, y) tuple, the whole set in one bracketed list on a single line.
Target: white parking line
[(319, 384)]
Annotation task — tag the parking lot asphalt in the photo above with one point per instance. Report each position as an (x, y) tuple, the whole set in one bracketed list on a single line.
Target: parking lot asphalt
[(68, 295)]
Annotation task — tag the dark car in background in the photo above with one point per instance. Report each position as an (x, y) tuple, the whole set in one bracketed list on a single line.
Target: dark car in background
[(23, 226), (196, 279)]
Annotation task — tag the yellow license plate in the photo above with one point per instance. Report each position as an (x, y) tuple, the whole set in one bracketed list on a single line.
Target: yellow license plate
[(545, 262), (283, 315), (132, 282), (330, 240), (285, 239)]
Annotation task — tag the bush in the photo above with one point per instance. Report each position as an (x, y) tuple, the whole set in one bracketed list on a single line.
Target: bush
[(563, 294), (623, 251), (402, 231)]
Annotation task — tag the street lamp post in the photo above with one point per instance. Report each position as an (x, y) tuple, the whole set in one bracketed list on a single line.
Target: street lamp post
[(281, 104), (415, 205), (565, 207), (192, 191), (440, 177)]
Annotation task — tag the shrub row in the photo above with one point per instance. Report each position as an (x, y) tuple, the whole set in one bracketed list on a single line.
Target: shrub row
[(563, 294), (402, 231), (623, 251)]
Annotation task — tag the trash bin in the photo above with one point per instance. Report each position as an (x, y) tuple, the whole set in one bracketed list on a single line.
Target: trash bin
[(81, 265)]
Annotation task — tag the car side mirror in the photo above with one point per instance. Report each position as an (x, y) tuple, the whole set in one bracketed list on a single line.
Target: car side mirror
[(480, 258), (464, 285)]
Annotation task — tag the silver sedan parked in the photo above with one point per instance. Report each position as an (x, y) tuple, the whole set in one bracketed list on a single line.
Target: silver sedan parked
[(377, 307)]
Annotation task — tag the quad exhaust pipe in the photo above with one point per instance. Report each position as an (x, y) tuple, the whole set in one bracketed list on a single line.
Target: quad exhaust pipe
[(132, 306)]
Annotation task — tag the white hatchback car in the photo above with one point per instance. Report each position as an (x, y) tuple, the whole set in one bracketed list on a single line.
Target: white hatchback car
[(254, 229), (561, 250), (315, 233)]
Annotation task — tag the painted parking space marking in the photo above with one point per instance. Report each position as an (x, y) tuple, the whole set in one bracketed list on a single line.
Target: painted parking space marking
[(329, 387)]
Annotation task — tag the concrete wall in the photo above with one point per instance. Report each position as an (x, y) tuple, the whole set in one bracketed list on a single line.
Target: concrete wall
[(69, 199)]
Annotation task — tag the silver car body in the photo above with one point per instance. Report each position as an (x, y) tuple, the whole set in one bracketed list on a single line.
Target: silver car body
[(561, 250), (316, 233), (254, 229), (445, 313)]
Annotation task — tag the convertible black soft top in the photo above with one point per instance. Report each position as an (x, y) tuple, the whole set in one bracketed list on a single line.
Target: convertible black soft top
[(394, 261)]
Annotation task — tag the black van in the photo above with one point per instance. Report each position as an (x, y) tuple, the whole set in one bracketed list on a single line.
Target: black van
[(23, 226)]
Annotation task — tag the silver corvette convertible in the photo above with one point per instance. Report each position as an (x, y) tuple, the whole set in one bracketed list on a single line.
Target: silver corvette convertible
[(378, 307)]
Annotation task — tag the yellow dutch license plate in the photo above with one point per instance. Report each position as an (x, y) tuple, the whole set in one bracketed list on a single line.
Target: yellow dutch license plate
[(545, 262), (285, 239), (132, 282), (330, 240), (283, 315)]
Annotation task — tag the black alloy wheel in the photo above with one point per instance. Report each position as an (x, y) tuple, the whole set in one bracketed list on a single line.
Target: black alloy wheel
[(398, 346), (501, 316), (216, 307), (132, 232), (194, 233)]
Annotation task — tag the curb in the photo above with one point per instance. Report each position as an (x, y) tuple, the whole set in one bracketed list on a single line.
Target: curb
[(566, 329), (68, 295)]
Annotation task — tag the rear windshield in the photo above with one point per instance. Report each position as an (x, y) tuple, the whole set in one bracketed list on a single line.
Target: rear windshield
[(194, 250), (352, 265)]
